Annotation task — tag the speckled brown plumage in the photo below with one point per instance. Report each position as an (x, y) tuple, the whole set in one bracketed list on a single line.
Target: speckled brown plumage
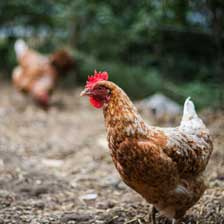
[(37, 74), (164, 165)]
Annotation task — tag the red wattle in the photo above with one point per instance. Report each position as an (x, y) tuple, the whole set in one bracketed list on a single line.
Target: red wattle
[(42, 98), (97, 104)]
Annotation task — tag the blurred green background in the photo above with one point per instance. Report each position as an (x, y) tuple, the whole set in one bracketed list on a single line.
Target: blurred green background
[(169, 46)]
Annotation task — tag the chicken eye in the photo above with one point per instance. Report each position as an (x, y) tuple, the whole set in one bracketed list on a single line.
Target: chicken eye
[(100, 88)]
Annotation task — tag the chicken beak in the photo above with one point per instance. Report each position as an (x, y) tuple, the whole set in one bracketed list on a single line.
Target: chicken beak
[(85, 92)]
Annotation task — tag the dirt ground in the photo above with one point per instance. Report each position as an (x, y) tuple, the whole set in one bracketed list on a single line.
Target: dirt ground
[(55, 167)]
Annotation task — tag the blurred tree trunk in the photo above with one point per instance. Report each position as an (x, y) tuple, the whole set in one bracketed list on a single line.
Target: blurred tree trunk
[(217, 32), (217, 28), (73, 34), (181, 7)]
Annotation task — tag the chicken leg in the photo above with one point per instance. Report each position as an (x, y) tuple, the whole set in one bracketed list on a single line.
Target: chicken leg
[(153, 215)]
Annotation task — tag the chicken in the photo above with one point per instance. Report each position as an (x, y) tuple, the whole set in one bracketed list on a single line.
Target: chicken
[(164, 165), (37, 74), (162, 109)]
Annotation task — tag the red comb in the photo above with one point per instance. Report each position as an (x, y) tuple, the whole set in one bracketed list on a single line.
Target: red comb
[(98, 76)]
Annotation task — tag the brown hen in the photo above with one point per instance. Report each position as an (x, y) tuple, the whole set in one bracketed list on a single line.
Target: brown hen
[(164, 165), (37, 74)]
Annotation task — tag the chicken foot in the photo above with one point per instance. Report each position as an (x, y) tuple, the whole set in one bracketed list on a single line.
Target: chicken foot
[(153, 215)]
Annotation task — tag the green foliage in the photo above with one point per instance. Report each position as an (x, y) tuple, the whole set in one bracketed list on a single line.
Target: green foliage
[(29, 19), (8, 59), (175, 37), (34, 13), (139, 82), (147, 46)]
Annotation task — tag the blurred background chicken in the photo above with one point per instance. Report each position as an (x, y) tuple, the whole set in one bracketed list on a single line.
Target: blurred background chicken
[(162, 109), (37, 74), (164, 165)]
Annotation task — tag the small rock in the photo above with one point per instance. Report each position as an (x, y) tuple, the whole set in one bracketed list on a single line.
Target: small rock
[(106, 205), (39, 205), (34, 191), (102, 142), (88, 197), (52, 162), (1, 164), (220, 177), (75, 217)]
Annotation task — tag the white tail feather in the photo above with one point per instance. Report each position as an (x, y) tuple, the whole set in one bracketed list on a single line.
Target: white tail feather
[(20, 47), (189, 110), (190, 120)]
